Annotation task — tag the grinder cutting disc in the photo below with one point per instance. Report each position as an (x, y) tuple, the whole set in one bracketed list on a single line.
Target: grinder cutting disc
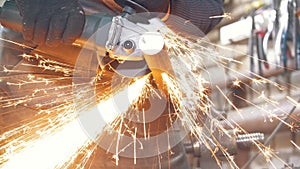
[(137, 56)]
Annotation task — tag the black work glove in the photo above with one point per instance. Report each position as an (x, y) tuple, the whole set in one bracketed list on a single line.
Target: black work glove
[(151, 5), (51, 22)]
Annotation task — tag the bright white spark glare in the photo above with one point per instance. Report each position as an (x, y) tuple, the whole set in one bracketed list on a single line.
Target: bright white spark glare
[(50, 151), (110, 109), (53, 150)]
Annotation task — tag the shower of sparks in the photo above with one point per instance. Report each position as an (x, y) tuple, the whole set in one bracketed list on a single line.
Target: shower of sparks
[(54, 138), (297, 146), (193, 51), (225, 15)]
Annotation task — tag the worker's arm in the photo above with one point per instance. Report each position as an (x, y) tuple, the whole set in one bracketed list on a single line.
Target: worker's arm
[(151, 5), (198, 12)]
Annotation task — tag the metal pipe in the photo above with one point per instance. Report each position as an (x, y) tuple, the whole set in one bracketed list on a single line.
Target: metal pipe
[(272, 135), (241, 141), (253, 120)]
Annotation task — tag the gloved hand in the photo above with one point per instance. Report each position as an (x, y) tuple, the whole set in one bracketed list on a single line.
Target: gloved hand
[(51, 22), (150, 5)]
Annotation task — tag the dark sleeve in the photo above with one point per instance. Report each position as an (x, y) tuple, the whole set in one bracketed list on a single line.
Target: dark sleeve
[(198, 12)]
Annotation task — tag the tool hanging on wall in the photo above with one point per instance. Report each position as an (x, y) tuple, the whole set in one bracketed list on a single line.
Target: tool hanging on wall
[(271, 32), (256, 41), (282, 28), (251, 43), (287, 39)]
